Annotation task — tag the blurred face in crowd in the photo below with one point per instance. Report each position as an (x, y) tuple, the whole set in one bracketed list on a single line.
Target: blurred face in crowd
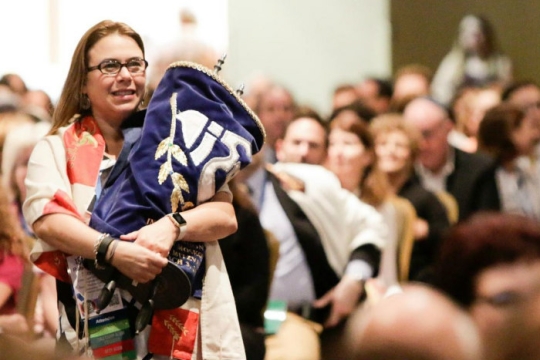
[(482, 102), (303, 142), (434, 126), (471, 34), (347, 155), (528, 99), (409, 85), (507, 310), (368, 91), (275, 110), (526, 136), (344, 97), (393, 151)]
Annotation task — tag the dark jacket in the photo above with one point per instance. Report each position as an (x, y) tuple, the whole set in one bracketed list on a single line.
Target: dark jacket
[(473, 183)]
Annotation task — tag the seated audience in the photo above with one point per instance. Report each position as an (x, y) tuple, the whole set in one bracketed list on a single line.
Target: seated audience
[(506, 133), (330, 241), (470, 178)]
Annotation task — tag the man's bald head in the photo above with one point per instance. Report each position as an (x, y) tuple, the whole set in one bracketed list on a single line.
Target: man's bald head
[(418, 324), (433, 121)]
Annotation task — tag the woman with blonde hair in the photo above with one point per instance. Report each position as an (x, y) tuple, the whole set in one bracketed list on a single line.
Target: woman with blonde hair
[(396, 148)]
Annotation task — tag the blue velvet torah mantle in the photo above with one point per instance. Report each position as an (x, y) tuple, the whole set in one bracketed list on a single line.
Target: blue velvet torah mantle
[(197, 134)]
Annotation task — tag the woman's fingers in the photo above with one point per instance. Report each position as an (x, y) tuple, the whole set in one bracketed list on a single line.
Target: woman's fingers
[(137, 262)]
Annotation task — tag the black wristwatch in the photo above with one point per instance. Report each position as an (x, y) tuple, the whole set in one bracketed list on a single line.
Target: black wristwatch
[(179, 221)]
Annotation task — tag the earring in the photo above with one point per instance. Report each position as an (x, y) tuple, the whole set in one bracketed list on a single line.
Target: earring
[(85, 102), (143, 101)]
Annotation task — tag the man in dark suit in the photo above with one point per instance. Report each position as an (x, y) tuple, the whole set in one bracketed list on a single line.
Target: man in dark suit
[(330, 241), (470, 178)]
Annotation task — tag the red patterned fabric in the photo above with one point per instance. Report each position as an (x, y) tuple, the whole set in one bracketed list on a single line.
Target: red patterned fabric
[(174, 333)]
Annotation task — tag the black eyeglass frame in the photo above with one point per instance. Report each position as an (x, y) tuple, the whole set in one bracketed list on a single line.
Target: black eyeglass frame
[(114, 61)]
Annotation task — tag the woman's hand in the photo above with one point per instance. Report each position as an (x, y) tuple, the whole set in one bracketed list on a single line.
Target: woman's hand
[(138, 262), (158, 237)]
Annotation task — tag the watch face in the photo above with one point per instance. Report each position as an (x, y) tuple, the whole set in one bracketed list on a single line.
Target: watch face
[(179, 219)]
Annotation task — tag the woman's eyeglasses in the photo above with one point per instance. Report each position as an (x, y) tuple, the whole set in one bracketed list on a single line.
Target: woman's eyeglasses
[(113, 67)]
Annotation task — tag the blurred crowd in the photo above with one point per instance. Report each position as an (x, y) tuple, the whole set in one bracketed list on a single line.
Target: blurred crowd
[(401, 225)]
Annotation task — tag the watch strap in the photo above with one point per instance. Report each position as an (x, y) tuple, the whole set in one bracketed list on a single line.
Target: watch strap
[(179, 221), (101, 250)]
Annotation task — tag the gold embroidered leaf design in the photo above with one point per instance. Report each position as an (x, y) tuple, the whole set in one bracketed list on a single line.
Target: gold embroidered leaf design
[(179, 154), (179, 182), (176, 199), (181, 326), (164, 170), (162, 148)]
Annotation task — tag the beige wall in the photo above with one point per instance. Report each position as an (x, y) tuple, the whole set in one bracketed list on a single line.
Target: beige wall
[(309, 45), (423, 30)]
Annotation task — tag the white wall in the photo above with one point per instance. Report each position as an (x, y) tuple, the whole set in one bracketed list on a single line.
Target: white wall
[(38, 37), (310, 46)]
